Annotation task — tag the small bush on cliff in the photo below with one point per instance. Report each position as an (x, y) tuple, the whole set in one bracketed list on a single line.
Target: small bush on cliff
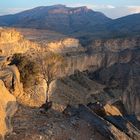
[(50, 66), (28, 69)]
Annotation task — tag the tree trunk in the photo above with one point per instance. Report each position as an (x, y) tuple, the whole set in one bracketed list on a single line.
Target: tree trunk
[(48, 96)]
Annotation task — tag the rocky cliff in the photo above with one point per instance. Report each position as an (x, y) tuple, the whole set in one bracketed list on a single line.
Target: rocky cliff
[(109, 56), (12, 42), (10, 90), (8, 107), (111, 62), (106, 72), (67, 45), (124, 77), (101, 54), (115, 45)]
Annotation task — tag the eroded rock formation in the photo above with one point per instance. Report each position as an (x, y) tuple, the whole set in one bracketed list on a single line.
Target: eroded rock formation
[(12, 42), (8, 107), (67, 45)]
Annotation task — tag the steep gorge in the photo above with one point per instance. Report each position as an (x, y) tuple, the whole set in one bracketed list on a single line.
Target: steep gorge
[(109, 71)]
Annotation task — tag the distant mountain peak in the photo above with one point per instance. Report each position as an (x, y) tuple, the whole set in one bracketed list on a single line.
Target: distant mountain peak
[(59, 6), (59, 18), (80, 9), (62, 9)]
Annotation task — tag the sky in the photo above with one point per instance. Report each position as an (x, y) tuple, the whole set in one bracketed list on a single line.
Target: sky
[(111, 8)]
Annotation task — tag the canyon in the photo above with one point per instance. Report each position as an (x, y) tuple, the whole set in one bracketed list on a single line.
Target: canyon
[(105, 74)]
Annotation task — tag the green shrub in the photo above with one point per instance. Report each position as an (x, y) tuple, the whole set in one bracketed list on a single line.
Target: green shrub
[(28, 69)]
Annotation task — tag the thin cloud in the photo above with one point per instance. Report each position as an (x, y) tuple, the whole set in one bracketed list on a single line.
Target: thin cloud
[(134, 9), (11, 10), (118, 12), (103, 7), (92, 6)]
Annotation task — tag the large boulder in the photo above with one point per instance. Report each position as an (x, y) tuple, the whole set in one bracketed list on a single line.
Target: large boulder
[(112, 110), (105, 128), (8, 107), (35, 95), (11, 77)]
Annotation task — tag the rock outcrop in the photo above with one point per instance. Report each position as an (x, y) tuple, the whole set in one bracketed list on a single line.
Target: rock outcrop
[(115, 45), (113, 115), (67, 45), (11, 77), (111, 110), (8, 107), (10, 91), (12, 42), (35, 95), (105, 128), (131, 97), (9, 36)]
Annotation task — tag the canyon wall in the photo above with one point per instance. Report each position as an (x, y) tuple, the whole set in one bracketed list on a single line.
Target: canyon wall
[(100, 54), (12, 42), (116, 62)]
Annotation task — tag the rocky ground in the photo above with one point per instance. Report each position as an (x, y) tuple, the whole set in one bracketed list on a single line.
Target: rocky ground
[(30, 124)]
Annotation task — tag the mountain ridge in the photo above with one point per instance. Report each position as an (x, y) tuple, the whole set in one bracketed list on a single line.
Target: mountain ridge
[(59, 18), (79, 22)]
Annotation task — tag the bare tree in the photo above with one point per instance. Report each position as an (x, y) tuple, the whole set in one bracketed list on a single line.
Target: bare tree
[(50, 65)]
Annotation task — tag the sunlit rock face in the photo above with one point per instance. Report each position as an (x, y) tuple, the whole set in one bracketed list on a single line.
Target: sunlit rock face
[(35, 95), (12, 42), (11, 77), (66, 45), (9, 36), (8, 107), (112, 110), (11, 89)]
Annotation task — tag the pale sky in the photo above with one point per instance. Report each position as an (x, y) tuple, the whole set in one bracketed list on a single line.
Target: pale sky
[(111, 8)]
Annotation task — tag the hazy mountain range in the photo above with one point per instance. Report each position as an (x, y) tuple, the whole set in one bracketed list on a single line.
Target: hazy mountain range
[(79, 21)]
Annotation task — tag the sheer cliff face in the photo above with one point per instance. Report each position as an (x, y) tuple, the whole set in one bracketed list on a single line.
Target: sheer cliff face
[(121, 69), (115, 63), (131, 96), (66, 45), (115, 45), (104, 54), (12, 42)]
